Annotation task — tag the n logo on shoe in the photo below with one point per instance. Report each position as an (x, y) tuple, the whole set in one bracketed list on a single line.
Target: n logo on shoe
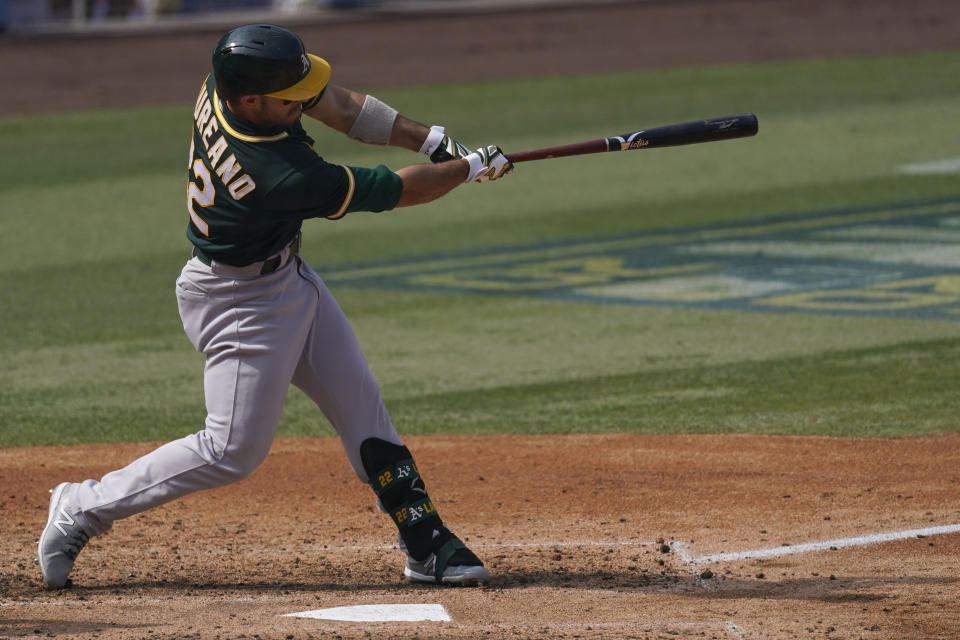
[(66, 519)]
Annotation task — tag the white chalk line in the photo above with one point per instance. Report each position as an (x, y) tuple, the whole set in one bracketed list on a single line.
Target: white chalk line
[(825, 545), (944, 166)]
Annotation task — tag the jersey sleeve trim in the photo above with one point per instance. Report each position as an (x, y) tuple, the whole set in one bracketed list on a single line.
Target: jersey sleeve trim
[(242, 136), (351, 188)]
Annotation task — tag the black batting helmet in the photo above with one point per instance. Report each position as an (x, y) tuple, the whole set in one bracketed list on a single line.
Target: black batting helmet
[(265, 59)]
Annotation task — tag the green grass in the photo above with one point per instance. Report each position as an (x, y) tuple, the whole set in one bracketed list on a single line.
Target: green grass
[(911, 391), (92, 218)]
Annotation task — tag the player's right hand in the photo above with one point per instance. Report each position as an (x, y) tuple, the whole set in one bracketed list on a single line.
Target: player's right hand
[(488, 163)]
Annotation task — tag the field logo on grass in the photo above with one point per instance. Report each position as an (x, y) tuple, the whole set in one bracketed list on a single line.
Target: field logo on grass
[(897, 260)]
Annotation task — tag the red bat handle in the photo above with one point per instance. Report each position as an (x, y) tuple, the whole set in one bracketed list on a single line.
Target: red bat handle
[(671, 135), (575, 149)]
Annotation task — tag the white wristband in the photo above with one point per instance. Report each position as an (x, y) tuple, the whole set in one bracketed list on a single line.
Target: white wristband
[(434, 138), (476, 165)]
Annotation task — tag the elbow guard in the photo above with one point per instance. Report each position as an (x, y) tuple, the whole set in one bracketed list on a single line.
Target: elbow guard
[(374, 123)]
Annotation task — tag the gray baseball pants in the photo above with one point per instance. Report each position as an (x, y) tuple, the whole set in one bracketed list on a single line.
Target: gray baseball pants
[(259, 333)]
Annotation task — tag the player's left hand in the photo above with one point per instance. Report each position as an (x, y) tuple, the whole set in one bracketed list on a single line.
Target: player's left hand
[(441, 148), (488, 163)]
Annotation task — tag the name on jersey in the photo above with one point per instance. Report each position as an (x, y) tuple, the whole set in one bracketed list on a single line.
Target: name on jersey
[(227, 168)]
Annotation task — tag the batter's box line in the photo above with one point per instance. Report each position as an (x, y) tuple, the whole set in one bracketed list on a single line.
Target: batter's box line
[(694, 563)]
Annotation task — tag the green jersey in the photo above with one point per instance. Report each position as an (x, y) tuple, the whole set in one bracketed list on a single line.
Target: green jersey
[(250, 187)]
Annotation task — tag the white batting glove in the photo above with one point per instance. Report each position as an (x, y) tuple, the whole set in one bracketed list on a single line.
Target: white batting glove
[(487, 163), (440, 147)]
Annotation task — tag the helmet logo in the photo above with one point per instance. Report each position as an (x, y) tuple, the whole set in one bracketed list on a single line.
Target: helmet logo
[(306, 63)]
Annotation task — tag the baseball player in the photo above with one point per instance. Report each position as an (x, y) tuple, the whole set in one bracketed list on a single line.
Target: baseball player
[(260, 314)]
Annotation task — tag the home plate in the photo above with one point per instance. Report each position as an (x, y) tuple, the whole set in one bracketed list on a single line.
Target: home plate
[(379, 613)]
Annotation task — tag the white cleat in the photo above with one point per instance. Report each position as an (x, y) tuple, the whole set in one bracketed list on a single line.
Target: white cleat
[(61, 541), (457, 566)]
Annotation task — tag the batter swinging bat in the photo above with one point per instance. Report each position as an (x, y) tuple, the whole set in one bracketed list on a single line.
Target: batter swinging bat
[(671, 135)]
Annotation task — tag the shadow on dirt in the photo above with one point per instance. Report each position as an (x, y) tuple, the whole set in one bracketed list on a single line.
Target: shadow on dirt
[(827, 589), (30, 628), (814, 588)]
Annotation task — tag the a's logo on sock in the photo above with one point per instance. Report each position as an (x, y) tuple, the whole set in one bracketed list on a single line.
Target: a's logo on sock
[(416, 513)]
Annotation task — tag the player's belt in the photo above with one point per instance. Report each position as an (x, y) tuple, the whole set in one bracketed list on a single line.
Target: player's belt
[(269, 265)]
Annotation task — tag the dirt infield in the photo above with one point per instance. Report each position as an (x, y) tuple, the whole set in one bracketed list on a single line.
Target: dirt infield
[(570, 525), (589, 536)]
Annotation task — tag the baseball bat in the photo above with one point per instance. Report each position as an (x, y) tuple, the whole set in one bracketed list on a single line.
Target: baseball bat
[(671, 135)]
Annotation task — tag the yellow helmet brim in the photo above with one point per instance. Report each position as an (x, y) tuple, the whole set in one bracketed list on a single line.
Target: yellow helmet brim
[(311, 84)]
